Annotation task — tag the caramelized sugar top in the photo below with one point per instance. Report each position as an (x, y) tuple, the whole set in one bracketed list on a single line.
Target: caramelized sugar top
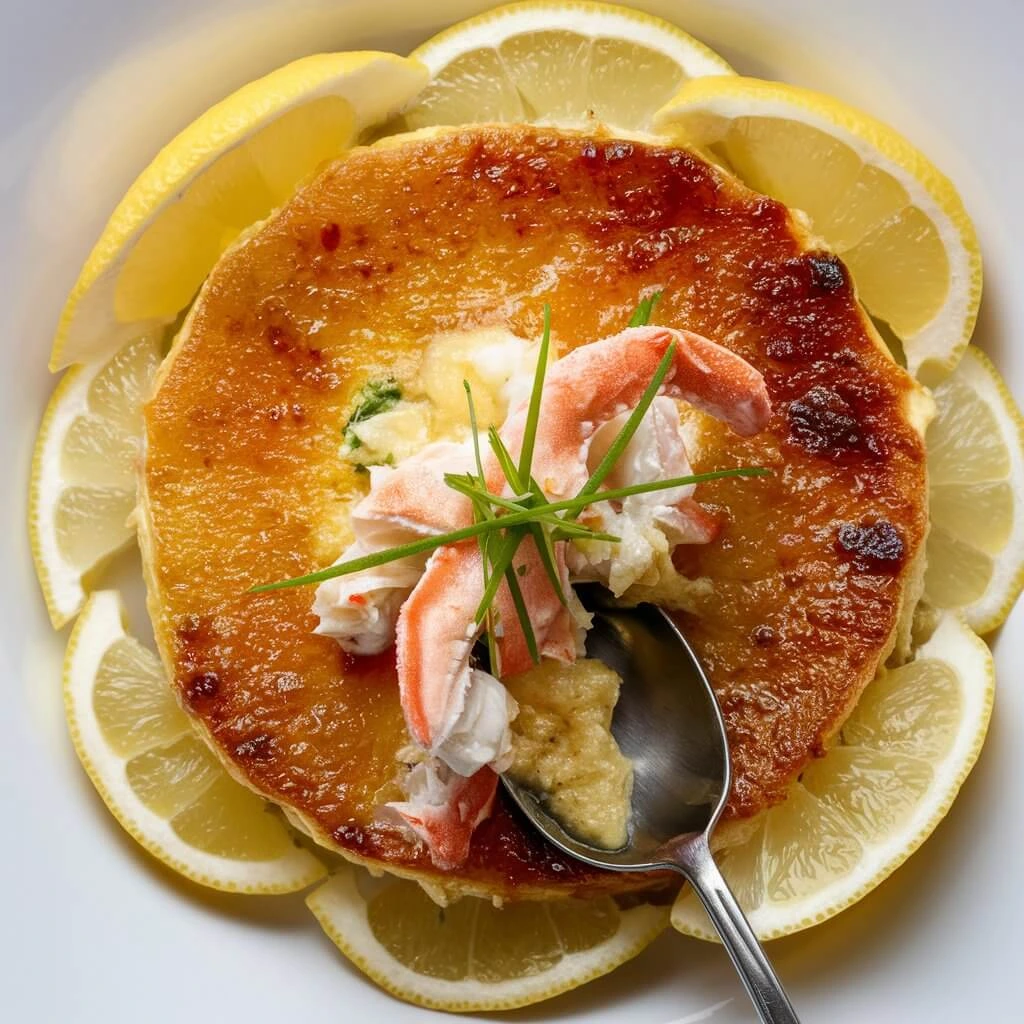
[(392, 244)]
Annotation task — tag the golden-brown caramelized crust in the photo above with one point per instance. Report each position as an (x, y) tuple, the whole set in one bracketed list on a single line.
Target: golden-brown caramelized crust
[(393, 243)]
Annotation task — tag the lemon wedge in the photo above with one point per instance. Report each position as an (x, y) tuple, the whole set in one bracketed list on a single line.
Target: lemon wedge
[(471, 955), (570, 64), (976, 495), (227, 170), (894, 218), (157, 777), (82, 489), (860, 811)]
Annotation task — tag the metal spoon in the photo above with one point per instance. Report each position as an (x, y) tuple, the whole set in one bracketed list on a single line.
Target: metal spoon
[(668, 723)]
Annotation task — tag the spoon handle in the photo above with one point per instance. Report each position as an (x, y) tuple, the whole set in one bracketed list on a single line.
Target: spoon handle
[(759, 978)]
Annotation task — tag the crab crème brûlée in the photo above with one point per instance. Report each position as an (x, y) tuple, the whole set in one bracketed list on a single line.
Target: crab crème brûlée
[(799, 589)]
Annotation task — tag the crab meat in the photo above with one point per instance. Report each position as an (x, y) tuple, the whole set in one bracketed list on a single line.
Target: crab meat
[(456, 713)]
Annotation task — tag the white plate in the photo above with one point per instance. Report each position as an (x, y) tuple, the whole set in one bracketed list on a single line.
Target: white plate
[(92, 929)]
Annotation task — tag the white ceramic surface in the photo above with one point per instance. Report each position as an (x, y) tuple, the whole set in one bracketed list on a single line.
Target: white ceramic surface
[(92, 929)]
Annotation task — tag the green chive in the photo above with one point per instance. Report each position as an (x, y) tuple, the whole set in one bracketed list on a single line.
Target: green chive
[(629, 428), (645, 309), (562, 529), (546, 551), (523, 613), (527, 512), (567, 529), (581, 500), (482, 510), (504, 457), (546, 548), (473, 429), (493, 656), (499, 523), (519, 503), (499, 565), (566, 533), (536, 394)]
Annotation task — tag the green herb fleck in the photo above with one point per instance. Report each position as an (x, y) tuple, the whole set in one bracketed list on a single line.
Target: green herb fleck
[(374, 398)]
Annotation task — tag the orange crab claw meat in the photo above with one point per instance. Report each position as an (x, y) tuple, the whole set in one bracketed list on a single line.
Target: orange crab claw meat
[(443, 809)]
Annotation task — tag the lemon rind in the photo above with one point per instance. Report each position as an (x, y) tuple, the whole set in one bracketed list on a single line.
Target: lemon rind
[(102, 622), (64, 585), (601, 20), (217, 131), (992, 608), (973, 662), (61, 582), (340, 909), (934, 350)]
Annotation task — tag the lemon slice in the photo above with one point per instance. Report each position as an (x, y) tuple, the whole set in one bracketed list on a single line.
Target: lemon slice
[(471, 955), (569, 64), (976, 495), (228, 169), (897, 221), (157, 777), (82, 490), (860, 811)]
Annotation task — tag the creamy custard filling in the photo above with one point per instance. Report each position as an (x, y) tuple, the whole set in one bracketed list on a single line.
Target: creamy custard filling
[(562, 746)]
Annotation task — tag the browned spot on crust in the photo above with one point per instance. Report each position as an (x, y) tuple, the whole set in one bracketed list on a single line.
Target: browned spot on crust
[(202, 686), (330, 236), (256, 748), (874, 546), (823, 421)]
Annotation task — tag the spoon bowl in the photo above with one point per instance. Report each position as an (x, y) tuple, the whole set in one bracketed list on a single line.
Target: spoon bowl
[(668, 723), (670, 728)]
